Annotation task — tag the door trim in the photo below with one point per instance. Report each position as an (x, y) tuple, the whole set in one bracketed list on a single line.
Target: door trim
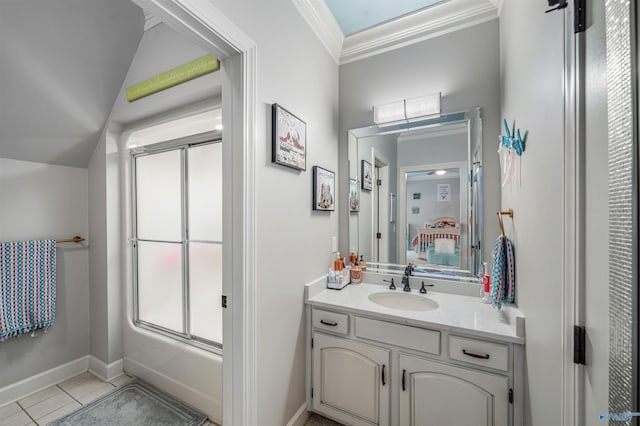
[(573, 219), (205, 25)]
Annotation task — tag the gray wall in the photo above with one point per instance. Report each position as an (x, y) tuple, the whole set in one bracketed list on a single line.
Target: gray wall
[(463, 65), (433, 150), (533, 96), (41, 201)]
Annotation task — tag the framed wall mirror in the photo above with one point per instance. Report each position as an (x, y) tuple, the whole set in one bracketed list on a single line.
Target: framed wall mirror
[(425, 204)]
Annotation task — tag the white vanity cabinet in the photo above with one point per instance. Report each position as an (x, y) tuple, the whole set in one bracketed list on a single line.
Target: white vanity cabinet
[(351, 380), (367, 370), (434, 394)]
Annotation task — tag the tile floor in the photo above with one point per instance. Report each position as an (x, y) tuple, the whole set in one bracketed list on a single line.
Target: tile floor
[(59, 400)]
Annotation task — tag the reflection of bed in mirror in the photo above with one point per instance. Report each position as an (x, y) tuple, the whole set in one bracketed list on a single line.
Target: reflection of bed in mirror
[(437, 244)]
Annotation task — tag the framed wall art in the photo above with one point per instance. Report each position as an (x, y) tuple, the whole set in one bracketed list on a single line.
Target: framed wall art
[(354, 195), (366, 178), (444, 192), (289, 139), (324, 189)]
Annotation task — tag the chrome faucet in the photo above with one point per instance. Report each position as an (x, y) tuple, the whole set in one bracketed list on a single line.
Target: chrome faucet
[(405, 278)]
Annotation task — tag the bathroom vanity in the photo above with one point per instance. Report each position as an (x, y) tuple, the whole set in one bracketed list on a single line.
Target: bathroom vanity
[(386, 357)]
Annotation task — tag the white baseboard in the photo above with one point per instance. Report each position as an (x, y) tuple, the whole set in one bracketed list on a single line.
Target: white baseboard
[(208, 405), (106, 372), (26, 387), (300, 417)]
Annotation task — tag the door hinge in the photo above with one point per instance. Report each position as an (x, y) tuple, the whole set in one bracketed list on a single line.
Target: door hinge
[(224, 301), (311, 343), (510, 396), (579, 339), (311, 392), (379, 182), (580, 18), (379, 235)]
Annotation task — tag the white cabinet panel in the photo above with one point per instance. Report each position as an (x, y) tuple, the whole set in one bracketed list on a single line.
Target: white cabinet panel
[(351, 380), (437, 394), (330, 321), (404, 336)]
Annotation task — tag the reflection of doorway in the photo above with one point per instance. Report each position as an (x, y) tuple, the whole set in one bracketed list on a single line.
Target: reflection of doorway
[(432, 215), (381, 236)]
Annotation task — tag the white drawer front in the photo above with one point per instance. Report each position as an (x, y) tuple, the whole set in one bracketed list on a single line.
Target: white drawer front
[(404, 336), (330, 321), (487, 354)]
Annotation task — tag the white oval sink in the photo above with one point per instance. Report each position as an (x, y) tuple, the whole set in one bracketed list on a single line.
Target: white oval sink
[(404, 301)]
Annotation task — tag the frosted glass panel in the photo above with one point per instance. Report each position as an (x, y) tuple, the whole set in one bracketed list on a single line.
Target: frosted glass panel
[(205, 192), (160, 284), (159, 198), (205, 271)]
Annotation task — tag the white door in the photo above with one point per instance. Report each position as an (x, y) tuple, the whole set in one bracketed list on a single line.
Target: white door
[(436, 394), (350, 381)]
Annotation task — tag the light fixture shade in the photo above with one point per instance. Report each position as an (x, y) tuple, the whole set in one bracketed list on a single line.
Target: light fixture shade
[(389, 113), (422, 106)]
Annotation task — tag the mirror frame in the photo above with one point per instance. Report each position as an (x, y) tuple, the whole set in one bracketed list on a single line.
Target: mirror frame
[(473, 119)]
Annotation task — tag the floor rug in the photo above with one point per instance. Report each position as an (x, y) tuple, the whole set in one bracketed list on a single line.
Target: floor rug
[(135, 403)]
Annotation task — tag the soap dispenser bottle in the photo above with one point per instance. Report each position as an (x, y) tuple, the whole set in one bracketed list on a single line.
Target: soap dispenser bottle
[(362, 264)]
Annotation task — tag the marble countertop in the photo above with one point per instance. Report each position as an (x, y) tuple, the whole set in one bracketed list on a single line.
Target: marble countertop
[(464, 314)]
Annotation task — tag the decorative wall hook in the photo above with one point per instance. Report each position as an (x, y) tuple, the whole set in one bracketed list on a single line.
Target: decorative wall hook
[(513, 138)]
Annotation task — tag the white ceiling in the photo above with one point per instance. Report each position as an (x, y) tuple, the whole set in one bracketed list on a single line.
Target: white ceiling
[(62, 64)]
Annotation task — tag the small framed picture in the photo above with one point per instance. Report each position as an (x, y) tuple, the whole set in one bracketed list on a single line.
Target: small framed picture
[(415, 210), (324, 189), (354, 195), (367, 178), (289, 139), (417, 195), (444, 192)]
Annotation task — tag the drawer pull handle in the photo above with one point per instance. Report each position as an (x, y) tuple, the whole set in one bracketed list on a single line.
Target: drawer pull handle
[(471, 354), (384, 380), (329, 323), (404, 383)]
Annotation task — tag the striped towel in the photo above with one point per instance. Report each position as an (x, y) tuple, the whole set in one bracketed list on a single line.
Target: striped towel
[(27, 287), (503, 278)]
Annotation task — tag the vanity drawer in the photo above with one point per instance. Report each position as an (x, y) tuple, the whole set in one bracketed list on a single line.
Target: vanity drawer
[(404, 336), (487, 354), (330, 321)]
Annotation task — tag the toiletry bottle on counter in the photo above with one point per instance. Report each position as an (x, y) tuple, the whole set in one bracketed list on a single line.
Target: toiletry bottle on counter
[(353, 258), (337, 264), (356, 274), (486, 282), (362, 264)]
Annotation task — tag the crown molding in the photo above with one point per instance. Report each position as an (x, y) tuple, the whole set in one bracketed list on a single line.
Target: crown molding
[(432, 22), (498, 5), (323, 24), (150, 21)]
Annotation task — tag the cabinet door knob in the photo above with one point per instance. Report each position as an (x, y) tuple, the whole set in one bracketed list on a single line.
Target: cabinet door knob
[(384, 380), (329, 323), (404, 383), (471, 354)]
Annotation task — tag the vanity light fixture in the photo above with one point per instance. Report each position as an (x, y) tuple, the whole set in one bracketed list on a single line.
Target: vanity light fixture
[(441, 172), (407, 110)]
